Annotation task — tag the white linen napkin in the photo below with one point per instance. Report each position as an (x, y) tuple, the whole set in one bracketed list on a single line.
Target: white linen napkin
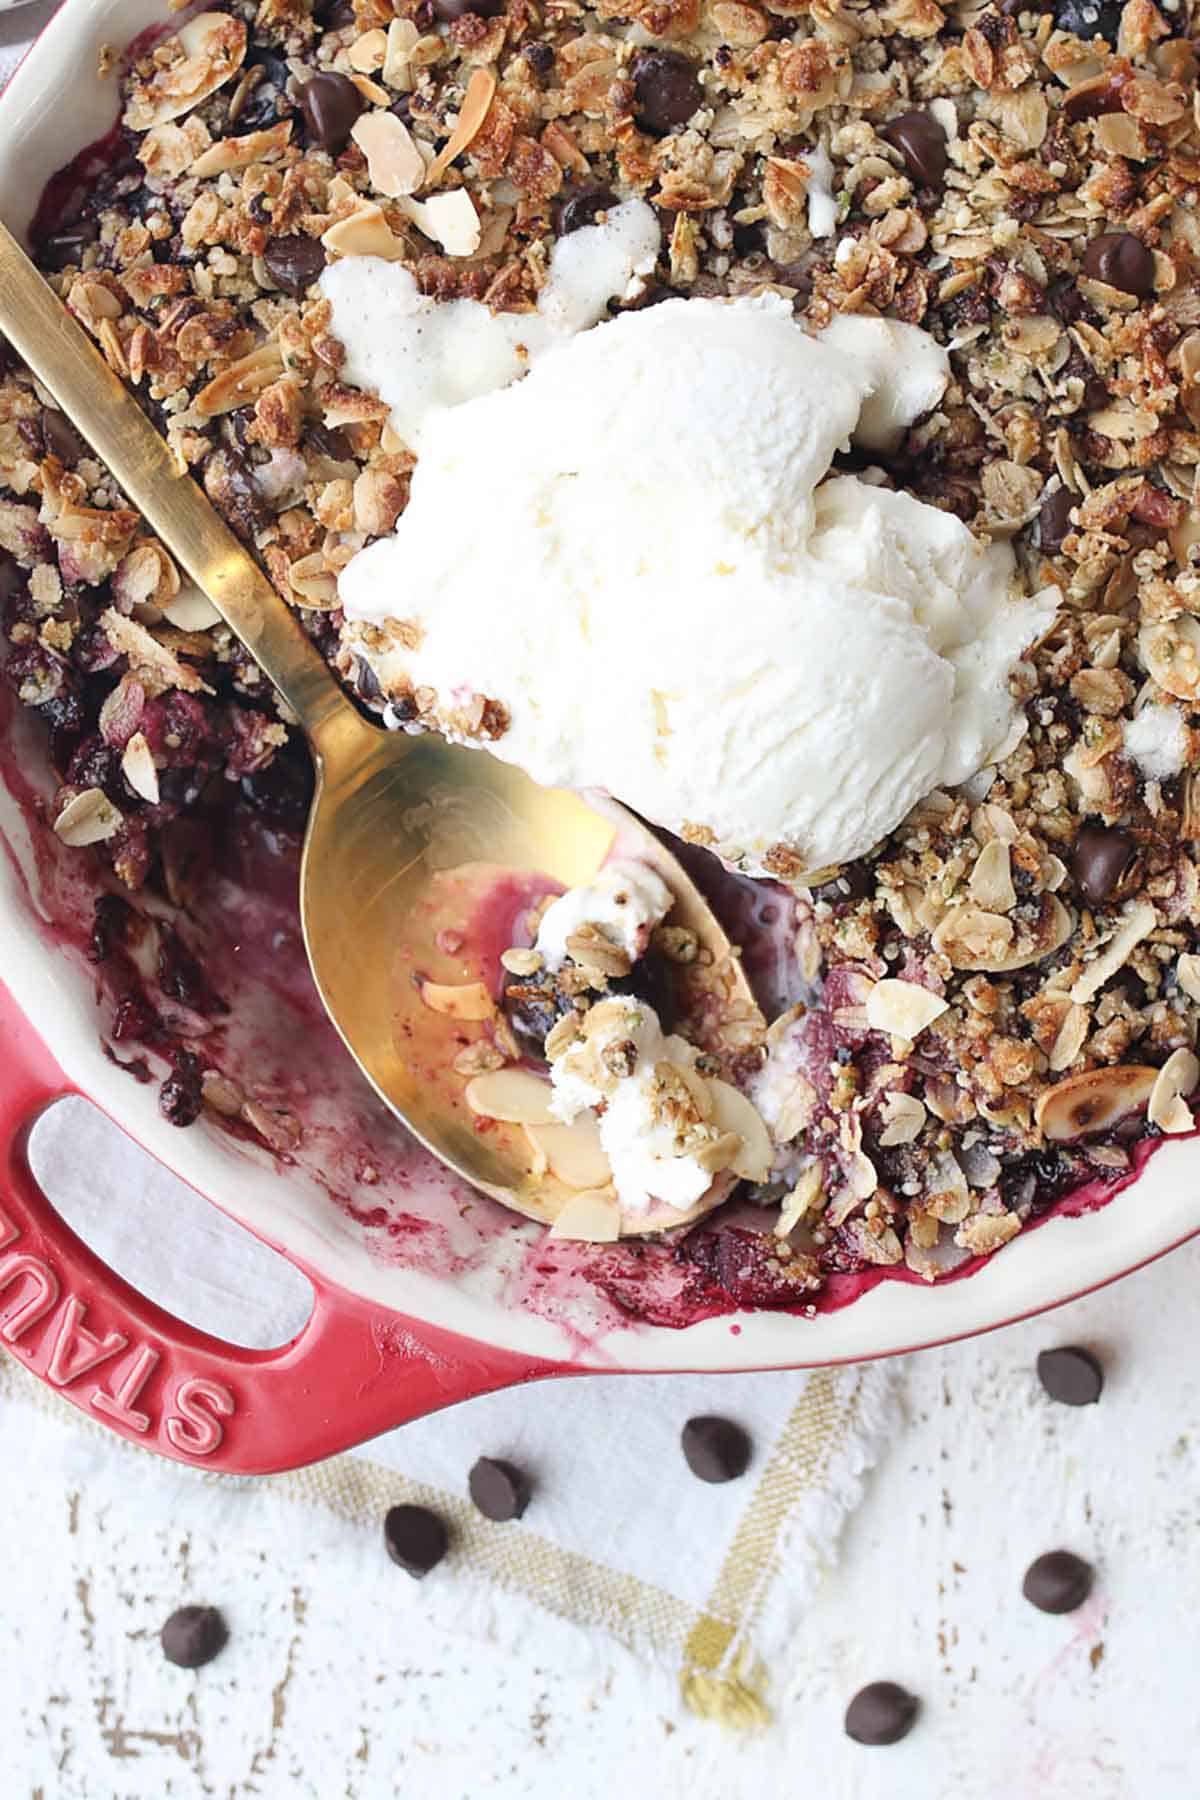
[(620, 1544)]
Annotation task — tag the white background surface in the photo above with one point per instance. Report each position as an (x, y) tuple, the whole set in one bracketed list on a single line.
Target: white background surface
[(335, 1688)]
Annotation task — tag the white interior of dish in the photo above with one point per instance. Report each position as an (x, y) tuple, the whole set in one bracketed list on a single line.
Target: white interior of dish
[(55, 105)]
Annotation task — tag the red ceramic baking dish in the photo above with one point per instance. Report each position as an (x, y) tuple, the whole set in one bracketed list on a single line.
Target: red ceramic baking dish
[(425, 1293)]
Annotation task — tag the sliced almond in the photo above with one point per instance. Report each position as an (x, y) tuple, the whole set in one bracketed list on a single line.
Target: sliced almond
[(991, 884), (804, 1198), (1137, 922), (1070, 1040), (1086, 1105), (521, 962), (241, 152), (733, 1112), (481, 91), (1168, 1107), (394, 164), (513, 1095), (139, 768), (241, 383), (364, 232), (988, 942), (904, 1119), (590, 1217), (1187, 973), (191, 610), (90, 818), (366, 53), (466, 1000), (449, 219), (560, 1037), (902, 1008), (402, 37), (573, 1153)]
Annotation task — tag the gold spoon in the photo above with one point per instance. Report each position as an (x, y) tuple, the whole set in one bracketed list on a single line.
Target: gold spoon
[(395, 817)]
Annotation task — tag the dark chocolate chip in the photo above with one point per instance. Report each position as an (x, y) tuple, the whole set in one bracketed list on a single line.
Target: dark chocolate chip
[(1100, 860), (330, 103), (1058, 1582), (499, 1489), (1089, 18), (716, 1449), (666, 88), (1121, 260), (329, 440), (854, 881), (921, 141), (294, 263), (1054, 519), (415, 1538), (581, 208), (1071, 1376), (193, 1635), (881, 1713), (61, 438)]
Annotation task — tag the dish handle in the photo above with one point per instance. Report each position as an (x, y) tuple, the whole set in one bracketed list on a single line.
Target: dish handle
[(355, 1369)]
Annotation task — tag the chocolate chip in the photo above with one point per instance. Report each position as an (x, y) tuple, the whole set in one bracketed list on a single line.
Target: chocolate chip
[(1089, 18), (1071, 1376), (854, 881), (330, 440), (921, 141), (881, 1713), (294, 263), (1100, 860), (193, 1635), (61, 438), (330, 103), (1054, 519), (1058, 1582), (415, 1538), (448, 11), (581, 208), (715, 1449), (666, 89), (1121, 260), (499, 1489)]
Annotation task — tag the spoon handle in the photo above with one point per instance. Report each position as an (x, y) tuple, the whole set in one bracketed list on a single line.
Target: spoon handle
[(67, 363)]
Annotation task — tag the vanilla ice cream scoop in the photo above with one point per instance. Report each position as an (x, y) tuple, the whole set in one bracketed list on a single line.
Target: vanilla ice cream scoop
[(627, 571)]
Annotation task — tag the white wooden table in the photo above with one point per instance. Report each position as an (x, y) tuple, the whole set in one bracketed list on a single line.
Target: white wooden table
[(332, 1689)]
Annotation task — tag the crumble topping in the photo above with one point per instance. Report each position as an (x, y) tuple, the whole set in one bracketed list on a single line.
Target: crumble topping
[(1024, 192)]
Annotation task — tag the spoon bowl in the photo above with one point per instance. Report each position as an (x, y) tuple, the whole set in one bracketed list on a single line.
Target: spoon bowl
[(399, 824)]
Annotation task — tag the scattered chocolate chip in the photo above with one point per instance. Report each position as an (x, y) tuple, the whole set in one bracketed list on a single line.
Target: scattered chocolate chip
[(61, 438), (855, 881), (499, 1489), (921, 141), (1071, 1376), (193, 1635), (1101, 858), (294, 262), (581, 208), (881, 1713), (1089, 18), (1058, 1582), (181, 1100), (1054, 519), (666, 89), (1121, 260), (330, 103), (415, 1538), (715, 1449), (448, 11)]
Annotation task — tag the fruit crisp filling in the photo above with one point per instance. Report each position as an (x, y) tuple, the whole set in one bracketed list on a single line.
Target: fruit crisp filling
[(992, 1005)]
